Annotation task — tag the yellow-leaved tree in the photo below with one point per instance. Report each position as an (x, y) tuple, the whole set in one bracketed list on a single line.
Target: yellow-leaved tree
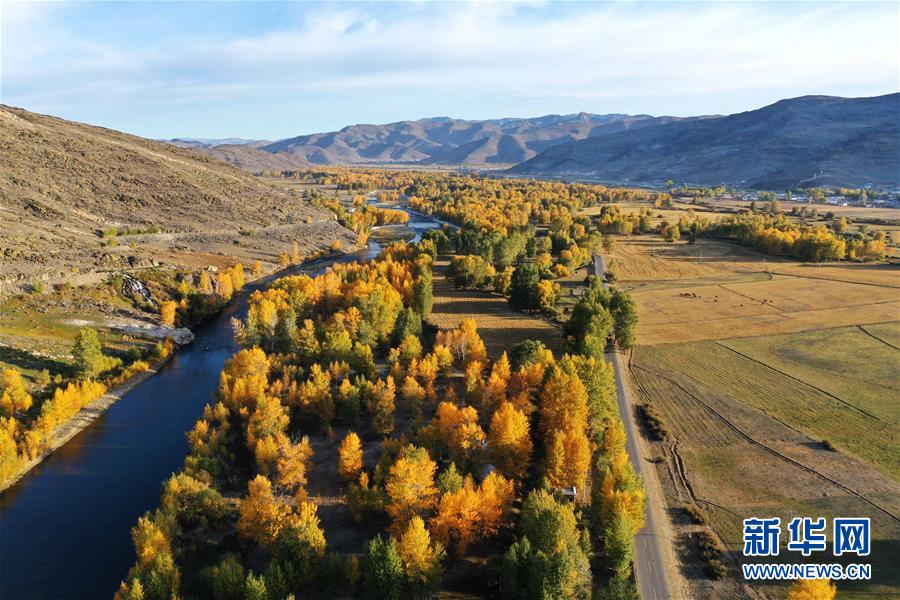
[(568, 458), (14, 396), (410, 486), (262, 517), (472, 513), (350, 457), (509, 441), (167, 312), (421, 557), (812, 589)]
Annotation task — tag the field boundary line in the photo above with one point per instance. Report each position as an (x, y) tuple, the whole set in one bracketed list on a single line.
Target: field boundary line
[(784, 313), (881, 285), (872, 335), (818, 389), (771, 450), (763, 302), (680, 467)]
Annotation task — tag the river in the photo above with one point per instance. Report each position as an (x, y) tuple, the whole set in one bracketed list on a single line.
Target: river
[(65, 526)]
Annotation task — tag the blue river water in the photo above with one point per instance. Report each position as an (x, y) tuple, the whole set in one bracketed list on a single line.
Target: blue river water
[(65, 526)]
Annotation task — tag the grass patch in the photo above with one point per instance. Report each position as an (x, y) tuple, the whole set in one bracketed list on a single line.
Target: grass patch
[(719, 371)]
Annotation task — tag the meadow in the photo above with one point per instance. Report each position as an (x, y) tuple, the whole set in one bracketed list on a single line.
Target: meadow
[(776, 381), (499, 326)]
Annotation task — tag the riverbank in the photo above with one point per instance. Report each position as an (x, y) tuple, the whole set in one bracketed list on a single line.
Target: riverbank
[(84, 418), (90, 413)]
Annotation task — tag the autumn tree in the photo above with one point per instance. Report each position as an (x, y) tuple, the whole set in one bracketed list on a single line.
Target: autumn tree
[(155, 575), (563, 403), (167, 312), (495, 389), (410, 486), (509, 441), (266, 431), (621, 492), (568, 457), (224, 286), (599, 381), (262, 517), (14, 396), (471, 512), (458, 432), (292, 463), (812, 589), (244, 378), (350, 457), (205, 285), (237, 277), (9, 455), (464, 343), (421, 557), (301, 543), (381, 405), (191, 503)]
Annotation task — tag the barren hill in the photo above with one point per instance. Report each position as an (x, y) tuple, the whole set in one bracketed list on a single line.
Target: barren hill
[(255, 160), (447, 141), (807, 141), (62, 184)]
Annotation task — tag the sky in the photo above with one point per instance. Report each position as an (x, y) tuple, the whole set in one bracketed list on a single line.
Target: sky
[(270, 70)]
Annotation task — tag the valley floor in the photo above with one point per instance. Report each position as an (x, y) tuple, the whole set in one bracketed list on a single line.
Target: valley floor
[(777, 384)]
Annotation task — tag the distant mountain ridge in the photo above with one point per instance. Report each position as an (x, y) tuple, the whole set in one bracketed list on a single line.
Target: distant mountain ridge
[(447, 141), (806, 141), (431, 141)]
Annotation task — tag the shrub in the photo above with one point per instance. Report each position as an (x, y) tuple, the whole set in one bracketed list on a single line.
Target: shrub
[(652, 421), (696, 514)]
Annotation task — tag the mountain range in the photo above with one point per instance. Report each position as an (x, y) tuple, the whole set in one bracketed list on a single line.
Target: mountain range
[(800, 142), (434, 141), (811, 140)]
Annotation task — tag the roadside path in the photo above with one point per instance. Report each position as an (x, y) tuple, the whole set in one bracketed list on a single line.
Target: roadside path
[(649, 562)]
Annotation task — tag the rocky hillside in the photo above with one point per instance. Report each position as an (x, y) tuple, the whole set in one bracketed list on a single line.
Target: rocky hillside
[(447, 141), (77, 199), (807, 141), (254, 159)]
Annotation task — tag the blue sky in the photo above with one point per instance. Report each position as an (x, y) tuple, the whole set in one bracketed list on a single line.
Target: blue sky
[(278, 69)]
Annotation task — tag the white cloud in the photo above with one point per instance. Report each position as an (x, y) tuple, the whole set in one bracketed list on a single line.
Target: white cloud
[(558, 55)]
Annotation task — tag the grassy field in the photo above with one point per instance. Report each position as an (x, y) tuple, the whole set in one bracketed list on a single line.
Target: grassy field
[(748, 440), (714, 290), (498, 325), (860, 422), (37, 332), (752, 363)]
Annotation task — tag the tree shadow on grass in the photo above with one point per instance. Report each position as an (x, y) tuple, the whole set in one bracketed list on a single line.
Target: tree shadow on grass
[(25, 360)]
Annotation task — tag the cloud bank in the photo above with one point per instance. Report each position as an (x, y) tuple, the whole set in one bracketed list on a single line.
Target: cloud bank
[(274, 70)]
